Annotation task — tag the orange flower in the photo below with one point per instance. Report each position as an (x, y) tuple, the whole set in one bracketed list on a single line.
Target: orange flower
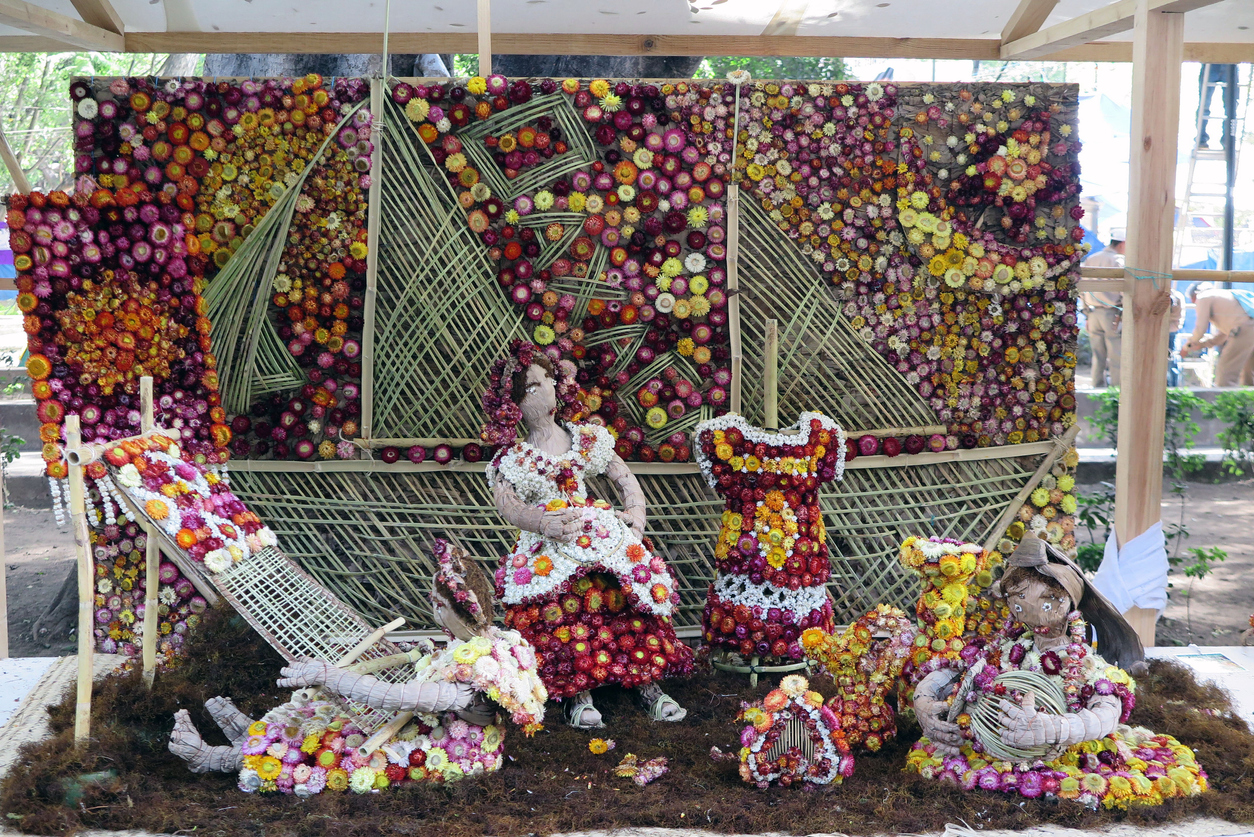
[(157, 509), (635, 552), (185, 538), (543, 565)]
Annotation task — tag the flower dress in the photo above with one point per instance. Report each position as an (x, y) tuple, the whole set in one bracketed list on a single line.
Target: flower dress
[(771, 557), (307, 747), (1130, 765), (597, 610)]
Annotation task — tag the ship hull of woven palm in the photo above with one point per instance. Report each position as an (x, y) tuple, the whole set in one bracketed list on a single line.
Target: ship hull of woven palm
[(367, 536)]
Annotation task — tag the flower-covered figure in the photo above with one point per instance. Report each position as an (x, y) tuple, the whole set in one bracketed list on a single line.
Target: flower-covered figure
[(771, 556), (323, 742), (792, 737), (583, 585), (1040, 714)]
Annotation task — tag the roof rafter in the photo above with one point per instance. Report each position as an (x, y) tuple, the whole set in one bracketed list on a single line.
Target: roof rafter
[(64, 30), (1099, 23), (1027, 19), (100, 13)]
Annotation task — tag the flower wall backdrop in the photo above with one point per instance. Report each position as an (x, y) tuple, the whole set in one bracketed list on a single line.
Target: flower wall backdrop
[(939, 221)]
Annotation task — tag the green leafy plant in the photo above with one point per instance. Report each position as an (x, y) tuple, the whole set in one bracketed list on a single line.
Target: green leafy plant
[(10, 450), (1201, 565), (1235, 408), (1097, 514)]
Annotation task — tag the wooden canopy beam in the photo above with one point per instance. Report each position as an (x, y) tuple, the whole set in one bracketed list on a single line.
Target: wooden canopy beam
[(1099, 23), (100, 13), (983, 49), (1027, 19), (64, 30), (1158, 50)]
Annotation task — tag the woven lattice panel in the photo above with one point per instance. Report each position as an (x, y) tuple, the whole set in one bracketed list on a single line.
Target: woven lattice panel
[(368, 537), (440, 319), (873, 510), (823, 363)]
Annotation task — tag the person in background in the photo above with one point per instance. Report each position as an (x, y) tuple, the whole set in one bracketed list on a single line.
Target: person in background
[(1103, 311), (1232, 314), (1175, 322), (1211, 76)]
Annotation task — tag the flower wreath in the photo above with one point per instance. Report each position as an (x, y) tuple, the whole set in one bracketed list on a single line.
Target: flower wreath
[(498, 399)]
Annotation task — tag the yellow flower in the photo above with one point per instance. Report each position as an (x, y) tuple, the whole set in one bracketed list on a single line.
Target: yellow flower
[(269, 768), (599, 746), (477, 85), (257, 728)]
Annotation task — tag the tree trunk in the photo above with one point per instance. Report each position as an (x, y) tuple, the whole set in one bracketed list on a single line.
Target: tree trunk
[(596, 66), (361, 65), (180, 64)]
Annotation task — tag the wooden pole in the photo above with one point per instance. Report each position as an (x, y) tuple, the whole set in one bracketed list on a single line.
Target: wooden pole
[(86, 579), (485, 38), (770, 378), (733, 298), (4, 588), (152, 551), (374, 220), (20, 183), (1157, 52)]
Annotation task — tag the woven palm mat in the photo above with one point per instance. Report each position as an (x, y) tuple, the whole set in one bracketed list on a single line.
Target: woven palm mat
[(552, 784)]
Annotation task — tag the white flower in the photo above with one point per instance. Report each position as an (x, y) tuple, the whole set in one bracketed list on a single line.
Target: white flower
[(218, 560), (694, 262), (874, 92), (88, 108), (128, 474), (665, 303)]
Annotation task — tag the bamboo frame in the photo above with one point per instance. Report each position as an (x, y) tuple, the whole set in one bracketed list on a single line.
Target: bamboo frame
[(152, 552), (86, 579), (770, 377), (372, 257), (4, 587)]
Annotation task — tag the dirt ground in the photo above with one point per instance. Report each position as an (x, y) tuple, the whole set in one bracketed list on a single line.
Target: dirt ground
[(37, 558), (1218, 608)]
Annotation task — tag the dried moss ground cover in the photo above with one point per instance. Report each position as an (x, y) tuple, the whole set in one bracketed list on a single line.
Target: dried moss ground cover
[(552, 782)]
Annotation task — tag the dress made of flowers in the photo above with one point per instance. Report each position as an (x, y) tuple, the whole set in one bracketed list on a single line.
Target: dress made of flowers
[(1131, 765), (306, 748), (597, 610), (771, 557)]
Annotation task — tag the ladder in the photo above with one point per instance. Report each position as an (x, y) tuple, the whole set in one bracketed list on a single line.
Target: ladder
[(1206, 188)]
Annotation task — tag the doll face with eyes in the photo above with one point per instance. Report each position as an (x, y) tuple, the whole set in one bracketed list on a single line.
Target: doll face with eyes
[(539, 396), (1038, 605), (448, 619)]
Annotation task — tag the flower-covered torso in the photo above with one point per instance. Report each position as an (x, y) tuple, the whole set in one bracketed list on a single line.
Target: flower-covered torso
[(771, 554), (307, 748), (597, 609), (540, 566)]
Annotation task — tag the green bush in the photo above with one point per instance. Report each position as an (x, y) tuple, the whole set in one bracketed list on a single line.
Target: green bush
[(1235, 408)]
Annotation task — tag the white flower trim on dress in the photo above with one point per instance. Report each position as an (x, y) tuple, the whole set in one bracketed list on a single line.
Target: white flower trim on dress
[(737, 589), (767, 437), (591, 450), (934, 550)]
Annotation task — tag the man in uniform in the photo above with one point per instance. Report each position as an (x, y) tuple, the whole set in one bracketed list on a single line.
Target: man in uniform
[(1103, 311)]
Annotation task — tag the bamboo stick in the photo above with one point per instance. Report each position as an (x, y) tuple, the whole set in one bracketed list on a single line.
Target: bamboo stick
[(770, 379), (152, 552), (374, 220), (385, 732), (733, 293), (89, 452), (1064, 442), (886, 432), (373, 637), (86, 577)]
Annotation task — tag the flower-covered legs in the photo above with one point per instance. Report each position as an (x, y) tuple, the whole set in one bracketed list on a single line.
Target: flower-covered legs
[(186, 743)]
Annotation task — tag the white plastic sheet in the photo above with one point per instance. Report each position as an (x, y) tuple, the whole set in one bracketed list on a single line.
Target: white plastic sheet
[(1135, 576)]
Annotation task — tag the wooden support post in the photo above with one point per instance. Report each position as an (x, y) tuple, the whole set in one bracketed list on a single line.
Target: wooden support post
[(1157, 52), (4, 589), (20, 183), (152, 552), (374, 220), (485, 38), (86, 585), (733, 300), (770, 377)]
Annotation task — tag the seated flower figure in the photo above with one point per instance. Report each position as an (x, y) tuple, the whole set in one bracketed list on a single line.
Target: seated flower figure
[(582, 584), (982, 728), (311, 744)]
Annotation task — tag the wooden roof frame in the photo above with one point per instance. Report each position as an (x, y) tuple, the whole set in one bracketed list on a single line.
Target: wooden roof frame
[(1078, 39)]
